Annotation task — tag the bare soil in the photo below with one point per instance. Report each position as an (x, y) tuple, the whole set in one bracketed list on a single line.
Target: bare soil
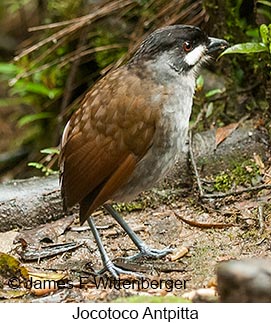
[(160, 227)]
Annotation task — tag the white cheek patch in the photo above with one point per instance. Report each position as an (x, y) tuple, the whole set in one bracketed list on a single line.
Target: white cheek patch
[(195, 55)]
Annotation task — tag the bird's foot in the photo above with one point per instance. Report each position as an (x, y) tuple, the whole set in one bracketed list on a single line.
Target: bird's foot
[(148, 252), (116, 271)]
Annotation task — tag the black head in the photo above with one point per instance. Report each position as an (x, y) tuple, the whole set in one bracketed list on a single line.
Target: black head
[(183, 47)]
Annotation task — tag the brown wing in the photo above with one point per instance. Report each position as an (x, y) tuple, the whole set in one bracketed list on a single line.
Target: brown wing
[(105, 139)]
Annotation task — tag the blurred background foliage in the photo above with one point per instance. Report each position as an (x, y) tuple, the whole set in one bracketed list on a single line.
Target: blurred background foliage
[(51, 52)]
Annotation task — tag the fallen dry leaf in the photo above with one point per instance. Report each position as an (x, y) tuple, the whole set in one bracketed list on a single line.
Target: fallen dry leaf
[(6, 240), (43, 283), (47, 287), (45, 275), (204, 225), (224, 132), (178, 254), (50, 231)]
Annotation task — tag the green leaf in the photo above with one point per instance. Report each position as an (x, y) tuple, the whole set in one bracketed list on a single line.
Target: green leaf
[(9, 69), (264, 32), (253, 33), (210, 109), (22, 87), (47, 171), (245, 48), (50, 151), (266, 3), (199, 83), (213, 92), (33, 117), (36, 165)]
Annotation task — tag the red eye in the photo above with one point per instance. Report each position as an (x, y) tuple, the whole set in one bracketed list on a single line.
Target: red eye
[(187, 46)]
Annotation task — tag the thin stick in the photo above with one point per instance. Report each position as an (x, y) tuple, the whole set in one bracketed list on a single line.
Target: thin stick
[(238, 192), (80, 22), (78, 55), (261, 219), (191, 154), (64, 60), (54, 25), (199, 117)]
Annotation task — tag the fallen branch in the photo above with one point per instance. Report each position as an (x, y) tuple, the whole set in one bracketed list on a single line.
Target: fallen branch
[(237, 192)]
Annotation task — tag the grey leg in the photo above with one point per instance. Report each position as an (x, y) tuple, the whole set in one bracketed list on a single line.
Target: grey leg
[(107, 262), (144, 250)]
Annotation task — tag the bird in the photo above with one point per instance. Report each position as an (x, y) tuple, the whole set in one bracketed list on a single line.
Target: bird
[(131, 127)]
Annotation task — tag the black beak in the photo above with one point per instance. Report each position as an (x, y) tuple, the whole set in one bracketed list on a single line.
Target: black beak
[(216, 44)]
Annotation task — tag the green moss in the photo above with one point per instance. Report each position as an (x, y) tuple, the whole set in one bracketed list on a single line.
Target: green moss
[(244, 174), (129, 207), (222, 182)]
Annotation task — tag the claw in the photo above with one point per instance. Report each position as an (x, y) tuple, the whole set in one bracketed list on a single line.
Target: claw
[(150, 253), (116, 271)]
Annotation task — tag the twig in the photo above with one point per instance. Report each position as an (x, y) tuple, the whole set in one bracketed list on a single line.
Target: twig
[(184, 14), (47, 52), (64, 60), (54, 25), (199, 117), (238, 192), (79, 23), (261, 219), (53, 38), (30, 253), (77, 55), (191, 154), (165, 11)]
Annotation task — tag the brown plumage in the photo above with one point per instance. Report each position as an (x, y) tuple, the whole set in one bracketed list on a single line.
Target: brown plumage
[(105, 139)]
